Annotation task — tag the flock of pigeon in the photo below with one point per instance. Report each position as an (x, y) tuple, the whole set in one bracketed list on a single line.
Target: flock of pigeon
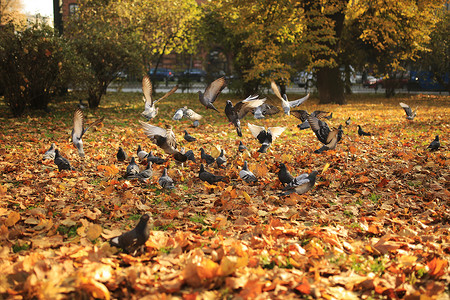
[(165, 139)]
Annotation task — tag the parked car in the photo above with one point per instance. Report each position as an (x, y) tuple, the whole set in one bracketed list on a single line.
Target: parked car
[(304, 79), (425, 81), (162, 74), (192, 75), (371, 82)]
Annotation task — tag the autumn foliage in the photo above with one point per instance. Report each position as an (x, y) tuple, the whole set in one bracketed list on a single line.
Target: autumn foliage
[(375, 225)]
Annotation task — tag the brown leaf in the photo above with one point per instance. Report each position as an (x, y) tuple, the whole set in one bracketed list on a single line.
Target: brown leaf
[(12, 219)]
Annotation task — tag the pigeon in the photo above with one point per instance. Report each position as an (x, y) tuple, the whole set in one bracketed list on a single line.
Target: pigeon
[(146, 173), (283, 174), (141, 153), (242, 147), (301, 184), (78, 130), (206, 157), (221, 159), (237, 112), (303, 116), (50, 153), (247, 175), (329, 117), (121, 155), (191, 115), (133, 240), (304, 125), (150, 111), (165, 139), (195, 124), (287, 105), (209, 177), (132, 169), (435, 144), (211, 93), (189, 137), (328, 137), (409, 113), (263, 110), (178, 114), (165, 181), (81, 105), (190, 155), (155, 159), (62, 162), (265, 137), (348, 122), (362, 132)]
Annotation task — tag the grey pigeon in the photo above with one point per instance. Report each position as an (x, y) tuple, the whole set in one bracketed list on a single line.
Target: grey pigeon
[(247, 175), (132, 169), (287, 105), (304, 125), (303, 116), (409, 113), (242, 147), (435, 144), (211, 93), (50, 153), (189, 137), (301, 184), (121, 155), (265, 137), (209, 177), (263, 110), (361, 132), (283, 174), (62, 162), (155, 159), (206, 157), (78, 130), (165, 181), (141, 153), (328, 137), (187, 113), (133, 240), (221, 159), (195, 124), (146, 173), (150, 111), (237, 112), (178, 114)]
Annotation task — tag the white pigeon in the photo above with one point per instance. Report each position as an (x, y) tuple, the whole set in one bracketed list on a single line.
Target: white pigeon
[(287, 105), (150, 111)]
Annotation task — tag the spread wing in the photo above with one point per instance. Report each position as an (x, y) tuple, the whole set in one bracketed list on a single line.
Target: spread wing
[(297, 102), (167, 94), (276, 131), (214, 89), (78, 121), (276, 90), (244, 106), (147, 89), (255, 129), (151, 131), (407, 109), (300, 114)]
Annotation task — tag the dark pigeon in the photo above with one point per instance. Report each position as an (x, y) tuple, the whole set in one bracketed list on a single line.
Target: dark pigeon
[(361, 132), (133, 240), (189, 137), (265, 137), (132, 169), (242, 147), (348, 122), (62, 162), (121, 155), (301, 184), (435, 144), (190, 155), (155, 159), (206, 157), (209, 177), (328, 137), (237, 112), (283, 174)]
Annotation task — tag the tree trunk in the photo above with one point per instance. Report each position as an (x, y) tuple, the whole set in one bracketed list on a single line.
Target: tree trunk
[(95, 94), (330, 86)]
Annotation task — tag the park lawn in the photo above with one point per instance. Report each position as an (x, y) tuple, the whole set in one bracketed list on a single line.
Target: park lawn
[(375, 226)]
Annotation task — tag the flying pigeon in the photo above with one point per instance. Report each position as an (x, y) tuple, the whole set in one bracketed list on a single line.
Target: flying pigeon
[(265, 137), (237, 112), (348, 122), (165, 181), (409, 113), (301, 184), (189, 137), (303, 116), (62, 162), (150, 111), (211, 93), (141, 153), (78, 130), (328, 137), (121, 155), (283, 174), (221, 159), (164, 138), (132, 168), (287, 105), (263, 110), (133, 240), (362, 132), (242, 147), (209, 177), (247, 175), (50, 153), (155, 159), (435, 144), (206, 157)]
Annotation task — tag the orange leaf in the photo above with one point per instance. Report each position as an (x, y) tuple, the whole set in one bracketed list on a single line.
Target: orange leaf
[(437, 266), (304, 287), (12, 219), (382, 183)]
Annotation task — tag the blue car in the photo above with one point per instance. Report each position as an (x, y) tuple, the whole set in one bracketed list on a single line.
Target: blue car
[(425, 81), (162, 74)]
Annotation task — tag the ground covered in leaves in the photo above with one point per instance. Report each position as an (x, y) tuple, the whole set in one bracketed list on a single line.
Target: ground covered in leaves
[(375, 226)]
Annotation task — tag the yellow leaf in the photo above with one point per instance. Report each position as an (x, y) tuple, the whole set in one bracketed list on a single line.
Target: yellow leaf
[(325, 168), (93, 231), (247, 197)]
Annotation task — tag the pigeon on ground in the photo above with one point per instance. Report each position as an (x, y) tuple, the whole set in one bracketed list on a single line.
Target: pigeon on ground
[(62, 162), (132, 169), (209, 177), (50, 153), (263, 110), (146, 173), (221, 159), (178, 114), (409, 113), (189, 137), (435, 144), (247, 175), (155, 159), (348, 122), (150, 111), (301, 184), (165, 139), (211, 93), (206, 157), (186, 113), (265, 137), (362, 132), (121, 155), (81, 105), (237, 112), (141, 153), (195, 124), (133, 240), (165, 181), (283, 175), (287, 105), (190, 155), (328, 137), (242, 147), (78, 130)]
